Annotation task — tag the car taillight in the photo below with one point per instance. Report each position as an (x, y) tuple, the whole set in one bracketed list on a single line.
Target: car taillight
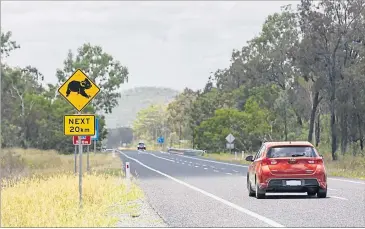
[(268, 161), (315, 161)]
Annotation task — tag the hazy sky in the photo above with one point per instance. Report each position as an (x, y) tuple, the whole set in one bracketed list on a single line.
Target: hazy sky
[(167, 43)]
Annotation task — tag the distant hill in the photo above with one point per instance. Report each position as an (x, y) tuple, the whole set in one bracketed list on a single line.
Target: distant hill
[(135, 99)]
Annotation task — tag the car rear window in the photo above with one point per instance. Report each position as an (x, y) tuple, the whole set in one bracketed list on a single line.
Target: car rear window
[(291, 151)]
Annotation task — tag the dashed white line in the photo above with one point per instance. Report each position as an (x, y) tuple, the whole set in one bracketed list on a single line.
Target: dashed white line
[(229, 173), (235, 171), (337, 197), (216, 171), (331, 189), (162, 158), (218, 162), (196, 166), (238, 208), (205, 168)]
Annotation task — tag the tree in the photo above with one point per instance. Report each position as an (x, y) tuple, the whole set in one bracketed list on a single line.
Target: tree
[(102, 68), (7, 45), (332, 28)]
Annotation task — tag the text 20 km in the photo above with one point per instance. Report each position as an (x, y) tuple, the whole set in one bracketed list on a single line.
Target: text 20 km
[(77, 129)]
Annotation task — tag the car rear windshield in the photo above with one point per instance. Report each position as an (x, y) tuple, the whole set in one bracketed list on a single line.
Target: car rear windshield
[(291, 151)]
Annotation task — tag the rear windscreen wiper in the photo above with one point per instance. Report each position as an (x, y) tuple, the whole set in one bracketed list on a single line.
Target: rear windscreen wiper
[(298, 155)]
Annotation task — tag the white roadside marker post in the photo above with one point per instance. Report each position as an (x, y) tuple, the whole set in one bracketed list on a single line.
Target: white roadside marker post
[(127, 171)]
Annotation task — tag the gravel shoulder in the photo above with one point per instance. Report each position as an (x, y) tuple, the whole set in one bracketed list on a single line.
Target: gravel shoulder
[(145, 216)]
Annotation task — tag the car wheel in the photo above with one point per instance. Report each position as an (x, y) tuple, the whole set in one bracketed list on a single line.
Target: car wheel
[(260, 194), (322, 193), (249, 188)]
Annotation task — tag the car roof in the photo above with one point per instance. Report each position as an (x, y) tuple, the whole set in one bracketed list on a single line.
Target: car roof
[(288, 143)]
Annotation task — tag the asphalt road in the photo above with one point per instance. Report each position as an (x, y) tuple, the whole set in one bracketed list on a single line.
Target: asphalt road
[(195, 192)]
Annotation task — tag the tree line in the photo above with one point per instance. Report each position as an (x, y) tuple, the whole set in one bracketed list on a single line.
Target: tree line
[(301, 78), (32, 111)]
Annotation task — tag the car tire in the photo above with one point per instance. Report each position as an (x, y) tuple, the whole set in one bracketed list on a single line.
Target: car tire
[(260, 194), (322, 193), (249, 188)]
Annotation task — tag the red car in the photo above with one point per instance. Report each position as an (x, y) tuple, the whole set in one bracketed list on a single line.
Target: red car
[(286, 167)]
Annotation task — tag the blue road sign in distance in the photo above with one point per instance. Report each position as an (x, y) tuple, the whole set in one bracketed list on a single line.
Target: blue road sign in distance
[(160, 140)]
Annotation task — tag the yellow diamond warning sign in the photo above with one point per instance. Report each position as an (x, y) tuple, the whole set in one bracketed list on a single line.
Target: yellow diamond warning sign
[(79, 125), (79, 90)]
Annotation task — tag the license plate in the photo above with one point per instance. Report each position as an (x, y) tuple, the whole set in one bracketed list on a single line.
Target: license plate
[(293, 182)]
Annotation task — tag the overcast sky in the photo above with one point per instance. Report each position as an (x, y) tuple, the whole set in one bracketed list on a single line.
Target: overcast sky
[(167, 43)]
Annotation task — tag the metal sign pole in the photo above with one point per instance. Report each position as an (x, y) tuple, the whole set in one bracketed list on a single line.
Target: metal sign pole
[(80, 170), (94, 146), (88, 161), (75, 159)]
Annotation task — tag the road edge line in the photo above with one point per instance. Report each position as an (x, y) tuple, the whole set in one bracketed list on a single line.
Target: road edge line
[(240, 209)]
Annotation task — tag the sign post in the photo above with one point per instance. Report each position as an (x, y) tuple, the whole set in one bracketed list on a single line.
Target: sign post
[(96, 136), (230, 138), (80, 171), (79, 90), (75, 160)]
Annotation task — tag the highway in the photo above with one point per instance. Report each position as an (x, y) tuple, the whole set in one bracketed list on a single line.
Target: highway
[(195, 192)]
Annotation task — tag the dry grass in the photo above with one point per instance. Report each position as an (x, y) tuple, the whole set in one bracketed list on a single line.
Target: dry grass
[(40, 190), (33, 161), (53, 202)]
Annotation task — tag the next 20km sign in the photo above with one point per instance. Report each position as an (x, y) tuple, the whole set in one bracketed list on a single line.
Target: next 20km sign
[(79, 125)]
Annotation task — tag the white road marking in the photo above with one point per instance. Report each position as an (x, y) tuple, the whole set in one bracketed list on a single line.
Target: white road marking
[(331, 189), (229, 173), (162, 158), (204, 165), (238, 208), (350, 181), (235, 171), (183, 163), (337, 197), (205, 168), (196, 166), (216, 171), (218, 162)]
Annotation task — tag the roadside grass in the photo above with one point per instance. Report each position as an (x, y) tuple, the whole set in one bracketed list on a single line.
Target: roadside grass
[(346, 166), (40, 190)]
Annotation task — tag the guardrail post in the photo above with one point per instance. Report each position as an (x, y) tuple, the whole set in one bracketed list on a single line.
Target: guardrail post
[(243, 155)]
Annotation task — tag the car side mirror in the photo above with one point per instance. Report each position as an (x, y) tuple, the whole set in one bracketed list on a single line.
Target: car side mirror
[(249, 158)]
